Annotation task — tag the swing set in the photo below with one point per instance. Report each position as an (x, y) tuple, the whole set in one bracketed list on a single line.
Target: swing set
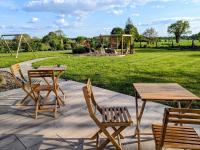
[(5, 40)]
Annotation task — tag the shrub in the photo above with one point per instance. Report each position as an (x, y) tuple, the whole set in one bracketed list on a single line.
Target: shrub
[(80, 50), (44, 47)]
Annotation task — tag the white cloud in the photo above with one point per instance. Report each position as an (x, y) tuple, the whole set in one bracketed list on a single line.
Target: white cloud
[(71, 6), (116, 11), (158, 6), (34, 20), (61, 15), (61, 22)]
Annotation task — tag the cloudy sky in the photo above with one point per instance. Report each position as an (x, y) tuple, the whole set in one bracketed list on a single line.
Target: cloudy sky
[(94, 17)]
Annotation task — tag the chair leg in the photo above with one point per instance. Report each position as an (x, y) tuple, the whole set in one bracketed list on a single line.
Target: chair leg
[(121, 136), (37, 105), (55, 110), (47, 95), (97, 140), (23, 101), (111, 138), (95, 135), (36, 108)]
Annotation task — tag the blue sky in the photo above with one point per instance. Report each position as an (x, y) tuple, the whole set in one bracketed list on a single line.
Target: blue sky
[(94, 17)]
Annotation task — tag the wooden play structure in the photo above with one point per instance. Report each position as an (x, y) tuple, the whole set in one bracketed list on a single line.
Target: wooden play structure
[(5, 41), (120, 43)]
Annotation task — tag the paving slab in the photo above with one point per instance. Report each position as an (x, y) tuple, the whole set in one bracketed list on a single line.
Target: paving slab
[(73, 127)]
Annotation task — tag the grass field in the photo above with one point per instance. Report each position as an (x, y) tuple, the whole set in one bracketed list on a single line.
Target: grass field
[(118, 73), (167, 44), (6, 59)]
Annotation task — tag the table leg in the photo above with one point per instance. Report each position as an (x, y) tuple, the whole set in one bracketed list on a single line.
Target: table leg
[(138, 118), (141, 113), (137, 130)]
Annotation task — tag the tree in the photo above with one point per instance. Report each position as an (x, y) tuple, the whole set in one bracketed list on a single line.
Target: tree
[(178, 29), (141, 39), (195, 36), (150, 34), (131, 29), (117, 30), (55, 40), (80, 39)]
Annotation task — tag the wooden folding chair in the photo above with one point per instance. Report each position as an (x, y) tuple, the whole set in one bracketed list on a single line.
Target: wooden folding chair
[(179, 137), (117, 118), (22, 82), (41, 103)]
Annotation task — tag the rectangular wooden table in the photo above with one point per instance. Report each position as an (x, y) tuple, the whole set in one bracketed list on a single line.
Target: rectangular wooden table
[(159, 92), (59, 70)]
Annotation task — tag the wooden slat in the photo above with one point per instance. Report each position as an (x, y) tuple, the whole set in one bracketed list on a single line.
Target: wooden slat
[(116, 114), (178, 138), (128, 114), (120, 114), (124, 114), (188, 116), (184, 110), (173, 127), (107, 115), (103, 114), (112, 114), (184, 121), (182, 146)]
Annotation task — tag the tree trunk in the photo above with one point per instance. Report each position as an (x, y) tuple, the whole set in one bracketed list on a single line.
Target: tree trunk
[(177, 39), (193, 44)]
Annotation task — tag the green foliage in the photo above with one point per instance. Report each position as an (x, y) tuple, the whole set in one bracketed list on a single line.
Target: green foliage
[(80, 39), (131, 29), (80, 50), (178, 29), (150, 35), (196, 36), (55, 40), (117, 30), (44, 47)]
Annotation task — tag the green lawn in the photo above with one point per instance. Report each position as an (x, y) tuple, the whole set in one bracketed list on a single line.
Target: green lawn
[(6, 59), (167, 44), (118, 73)]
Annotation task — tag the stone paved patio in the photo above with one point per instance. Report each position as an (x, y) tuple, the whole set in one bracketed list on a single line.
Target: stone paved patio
[(71, 130)]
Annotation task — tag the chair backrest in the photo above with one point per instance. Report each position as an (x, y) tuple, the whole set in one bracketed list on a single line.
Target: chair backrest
[(40, 74), (90, 101), (17, 74), (179, 116)]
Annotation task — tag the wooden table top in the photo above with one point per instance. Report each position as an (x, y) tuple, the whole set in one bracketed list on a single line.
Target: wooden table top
[(54, 68), (163, 91)]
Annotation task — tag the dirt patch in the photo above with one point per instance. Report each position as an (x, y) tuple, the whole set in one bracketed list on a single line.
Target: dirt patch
[(8, 82)]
